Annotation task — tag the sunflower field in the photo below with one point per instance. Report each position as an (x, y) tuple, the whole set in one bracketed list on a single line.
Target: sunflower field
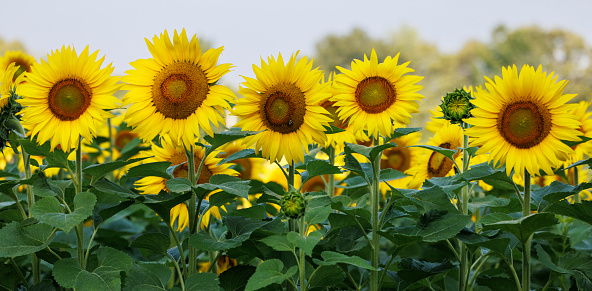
[(137, 182)]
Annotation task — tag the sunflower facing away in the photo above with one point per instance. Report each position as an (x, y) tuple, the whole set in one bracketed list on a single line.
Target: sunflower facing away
[(174, 92), (67, 97), (284, 100), (521, 120), (22, 61), (175, 154), (433, 164), (371, 96)]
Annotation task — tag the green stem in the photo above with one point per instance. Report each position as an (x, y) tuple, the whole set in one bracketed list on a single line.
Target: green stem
[(178, 244), (575, 183), (215, 260), (178, 271), (80, 226), (331, 186), (302, 261), (90, 242), (514, 274), (374, 203), (35, 262), (527, 244), (483, 259), (464, 251), (192, 211), (18, 270), (451, 247), (290, 176)]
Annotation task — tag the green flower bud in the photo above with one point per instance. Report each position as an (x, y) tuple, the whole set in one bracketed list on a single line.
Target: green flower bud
[(293, 204), (457, 106)]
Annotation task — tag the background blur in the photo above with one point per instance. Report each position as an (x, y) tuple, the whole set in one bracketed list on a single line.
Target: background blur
[(451, 43)]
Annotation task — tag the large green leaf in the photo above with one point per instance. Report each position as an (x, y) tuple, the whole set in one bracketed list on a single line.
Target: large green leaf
[(269, 272), (17, 240), (178, 185), (106, 275), (411, 271), (279, 242), (317, 168), (432, 198), (202, 282), (155, 243), (362, 169), (49, 210), (401, 131), (525, 226), (157, 169), (574, 264), (449, 153), (147, 277), (97, 171), (318, 207), (581, 211), (325, 276), (236, 278), (332, 258), (55, 157), (222, 138), (205, 242), (307, 243)]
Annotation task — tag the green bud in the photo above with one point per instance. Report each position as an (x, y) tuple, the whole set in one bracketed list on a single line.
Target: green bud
[(457, 106), (293, 204)]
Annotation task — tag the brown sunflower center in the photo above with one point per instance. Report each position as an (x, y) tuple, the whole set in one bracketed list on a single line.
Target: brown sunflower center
[(396, 158), (282, 108), (22, 67), (69, 98), (123, 138), (375, 94), (524, 124), (179, 89), (438, 164)]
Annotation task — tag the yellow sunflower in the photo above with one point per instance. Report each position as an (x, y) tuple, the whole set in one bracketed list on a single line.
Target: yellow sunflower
[(284, 101), (522, 118), (22, 61), (371, 96), (67, 97), (170, 152), (250, 168), (8, 83), (400, 158), (583, 149), (432, 164), (174, 92)]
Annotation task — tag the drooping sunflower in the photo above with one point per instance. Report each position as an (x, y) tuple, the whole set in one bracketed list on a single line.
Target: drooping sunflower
[(284, 100), (371, 96), (175, 154), (175, 92), (400, 158), (22, 61), (67, 97), (432, 164), (521, 120)]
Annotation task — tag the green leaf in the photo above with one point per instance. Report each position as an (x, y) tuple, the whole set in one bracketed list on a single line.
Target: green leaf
[(449, 153), (110, 188), (49, 210), (147, 277), (57, 157), (104, 211), (401, 131), (157, 169), (236, 278), (331, 129), (156, 243), (162, 204), (487, 201), (411, 270), (325, 276), (106, 276), (9, 277), (439, 225), (432, 198), (332, 258), (555, 192), (41, 186), (362, 169), (202, 282), (308, 243), (371, 153), (205, 242), (581, 211), (222, 138), (399, 239), (280, 242), (242, 154), (525, 226), (391, 174), (178, 185), (582, 140), (269, 272), (97, 171), (317, 168), (318, 207)]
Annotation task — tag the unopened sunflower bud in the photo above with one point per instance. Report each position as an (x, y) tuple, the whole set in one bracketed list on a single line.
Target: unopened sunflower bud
[(293, 204), (457, 106)]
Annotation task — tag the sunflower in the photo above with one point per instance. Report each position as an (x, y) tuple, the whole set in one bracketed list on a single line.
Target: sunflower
[(8, 83), (250, 168), (400, 158), (522, 119), (583, 149), (432, 164), (437, 119), (371, 96), (174, 92), (22, 61), (284, 101), (175, 154), (67, 97)]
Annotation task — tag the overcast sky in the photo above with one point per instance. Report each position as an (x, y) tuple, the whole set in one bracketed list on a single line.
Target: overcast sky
[(252, 29)]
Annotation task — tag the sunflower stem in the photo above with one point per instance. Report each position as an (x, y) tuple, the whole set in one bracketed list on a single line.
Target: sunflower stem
[(527, 244), (302, 261), (331, 186), (374, 203), (575, 183), (291, 222), (464, 269), (78, 185), (110, 157), (191, 208), (35, 262)]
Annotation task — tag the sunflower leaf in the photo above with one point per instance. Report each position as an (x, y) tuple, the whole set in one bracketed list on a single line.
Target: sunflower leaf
[(147, 276), (446, 152), (98, 171), (269, 272), (155, 243), (522, 228), (18, 239), (49, 210), (202, 282), (222, 138), (157, 169), (178, 185), (55, 157), (318, 168), (332, 258), (370, 153), (582, 140), (401, 131), (242, 154), (581, 211), (362, 169), (331, 129)]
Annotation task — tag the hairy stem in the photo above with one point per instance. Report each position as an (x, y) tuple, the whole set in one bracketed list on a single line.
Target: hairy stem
[(527, 244), (374, 203)]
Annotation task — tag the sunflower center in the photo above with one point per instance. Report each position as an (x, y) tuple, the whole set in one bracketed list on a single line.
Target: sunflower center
[(375, 94), (524, 124), (22, 67), (123, 138), (397, 159), (438, 164), (179, 89), (282, 108), (329, 106), (68, 99)]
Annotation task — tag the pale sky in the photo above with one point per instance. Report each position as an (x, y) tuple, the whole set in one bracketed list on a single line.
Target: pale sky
[(249, 30)]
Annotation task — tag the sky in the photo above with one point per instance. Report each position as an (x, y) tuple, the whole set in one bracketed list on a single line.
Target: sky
[(252, 29)]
